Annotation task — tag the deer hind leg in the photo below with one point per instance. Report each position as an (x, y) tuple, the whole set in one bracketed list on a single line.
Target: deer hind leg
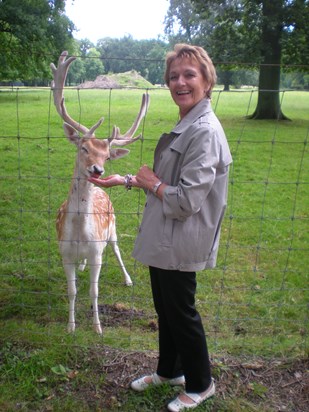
[(116, 251), (69, 269), (95, 268)]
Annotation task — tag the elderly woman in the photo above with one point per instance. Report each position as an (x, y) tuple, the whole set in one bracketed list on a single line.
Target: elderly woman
[(180, 229)]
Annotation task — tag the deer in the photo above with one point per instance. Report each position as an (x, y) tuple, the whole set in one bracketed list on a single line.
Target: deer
[(85, 221)]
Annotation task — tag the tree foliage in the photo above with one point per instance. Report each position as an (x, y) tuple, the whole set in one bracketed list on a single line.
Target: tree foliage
[(125, 54), (118, 56), (287, 19), (219, 29), (267, 33), (32, 34), (93, 64), (182, 23), (242, 37)]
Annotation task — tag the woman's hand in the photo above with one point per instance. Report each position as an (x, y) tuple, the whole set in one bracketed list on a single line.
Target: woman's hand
[(109, 181), (146, 177)]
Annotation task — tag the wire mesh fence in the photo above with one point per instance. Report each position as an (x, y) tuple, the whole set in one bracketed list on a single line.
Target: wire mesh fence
[(254, 301)]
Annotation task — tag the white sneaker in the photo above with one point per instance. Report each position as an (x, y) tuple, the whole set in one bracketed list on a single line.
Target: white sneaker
[(178, 405), (140, 384)]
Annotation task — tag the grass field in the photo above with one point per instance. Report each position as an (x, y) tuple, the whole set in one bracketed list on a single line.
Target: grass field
[(255, 303)]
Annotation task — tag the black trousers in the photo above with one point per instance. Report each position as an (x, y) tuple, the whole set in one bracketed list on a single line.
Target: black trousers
[(182, 341)]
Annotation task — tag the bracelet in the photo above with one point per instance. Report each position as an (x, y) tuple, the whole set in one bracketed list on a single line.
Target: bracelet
[(156, 187), (128, 182)]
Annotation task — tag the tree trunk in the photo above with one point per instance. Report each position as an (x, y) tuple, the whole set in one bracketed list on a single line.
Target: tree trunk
[(226, 80), (268, 105)]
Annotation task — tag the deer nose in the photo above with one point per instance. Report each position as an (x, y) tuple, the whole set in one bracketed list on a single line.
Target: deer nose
[(97, 169)]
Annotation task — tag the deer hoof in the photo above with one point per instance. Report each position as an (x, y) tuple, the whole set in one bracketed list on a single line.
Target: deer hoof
[(129, 283), (71, 327), (98, 329)]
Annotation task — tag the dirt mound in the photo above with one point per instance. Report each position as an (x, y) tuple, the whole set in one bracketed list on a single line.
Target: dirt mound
[(101, 82), (117, 81)]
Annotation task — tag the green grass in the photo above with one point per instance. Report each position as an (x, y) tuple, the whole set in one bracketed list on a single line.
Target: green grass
[(254, 302)]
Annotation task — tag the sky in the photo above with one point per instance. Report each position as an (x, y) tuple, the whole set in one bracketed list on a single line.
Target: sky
[(95, 19)]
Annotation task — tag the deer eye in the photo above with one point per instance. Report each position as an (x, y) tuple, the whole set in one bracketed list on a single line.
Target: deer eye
[(84, 150)]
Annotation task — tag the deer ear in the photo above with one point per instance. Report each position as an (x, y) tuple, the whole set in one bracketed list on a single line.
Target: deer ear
[(117, 153), (71, 133)]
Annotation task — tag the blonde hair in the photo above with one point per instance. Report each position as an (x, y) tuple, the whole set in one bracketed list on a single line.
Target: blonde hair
[(195, 53)]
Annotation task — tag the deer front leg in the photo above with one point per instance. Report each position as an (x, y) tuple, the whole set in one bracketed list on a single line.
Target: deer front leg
[(95, 268), (69, 269), (117, 253)]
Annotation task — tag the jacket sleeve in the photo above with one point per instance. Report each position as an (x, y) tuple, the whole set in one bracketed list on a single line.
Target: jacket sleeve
[(197, 175)]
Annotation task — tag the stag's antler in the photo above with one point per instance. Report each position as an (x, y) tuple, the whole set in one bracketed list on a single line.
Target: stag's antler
[(60, 74), (117, 139)]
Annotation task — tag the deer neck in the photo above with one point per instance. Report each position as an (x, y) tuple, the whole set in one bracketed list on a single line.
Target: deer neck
[(80, 197)]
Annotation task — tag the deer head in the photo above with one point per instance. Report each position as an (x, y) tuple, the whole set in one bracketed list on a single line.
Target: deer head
[(92, 152)]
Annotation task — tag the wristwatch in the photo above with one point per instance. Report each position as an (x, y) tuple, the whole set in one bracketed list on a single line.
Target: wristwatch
[(156, 187)]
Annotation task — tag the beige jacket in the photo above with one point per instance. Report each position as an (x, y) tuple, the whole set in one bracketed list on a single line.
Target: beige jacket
[(182, 232)]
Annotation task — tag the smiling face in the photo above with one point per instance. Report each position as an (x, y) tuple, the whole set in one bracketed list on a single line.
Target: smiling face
[(187, 84)]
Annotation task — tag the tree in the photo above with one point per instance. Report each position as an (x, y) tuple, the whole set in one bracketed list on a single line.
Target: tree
[(76, 74), (84, 46), (218, 29), (268, 106), (32, 34), (118, 54), (93, 64), (283, 33), (181, 15), (125, 54), (155, 61)]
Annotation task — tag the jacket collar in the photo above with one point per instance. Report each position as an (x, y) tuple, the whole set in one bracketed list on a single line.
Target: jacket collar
[(194, 114)]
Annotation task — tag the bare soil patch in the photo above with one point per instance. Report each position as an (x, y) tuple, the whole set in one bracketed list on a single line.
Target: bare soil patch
[(270, 384)]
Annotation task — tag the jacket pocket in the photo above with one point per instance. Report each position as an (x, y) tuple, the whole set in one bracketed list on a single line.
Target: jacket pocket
[(168, 228), (215, 243)]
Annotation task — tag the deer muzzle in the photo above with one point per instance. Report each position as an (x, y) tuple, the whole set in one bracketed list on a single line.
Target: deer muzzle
[(96, 171)]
